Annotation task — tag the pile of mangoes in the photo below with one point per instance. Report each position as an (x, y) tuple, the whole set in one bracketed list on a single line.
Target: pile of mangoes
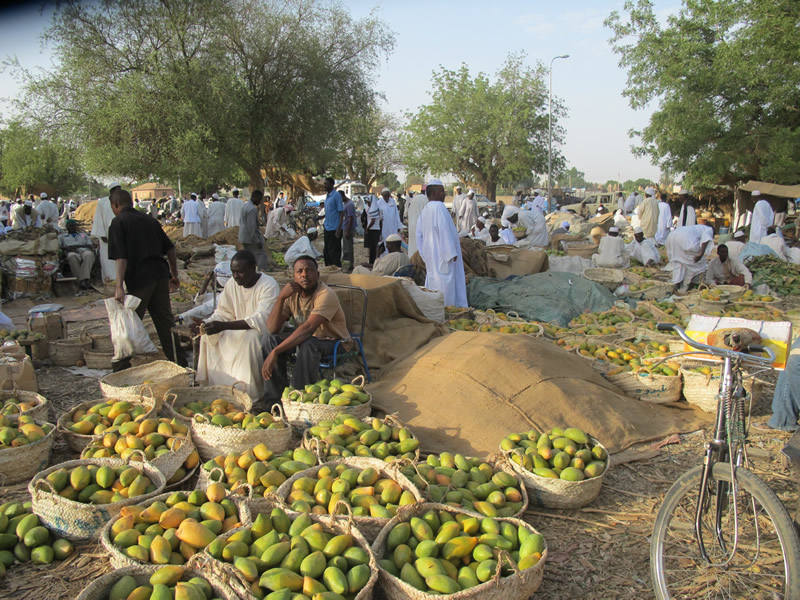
[(111, 413), (751, 296), (641, 286), (554, 331), (744, 311), (469, 483), (333, 392), (23, 538), (630, 356), (165, 584), (668, 307), (347, 436), (13, 406), (20, 335), (507, 327), (172, 531), (285, 557), (713, 295), (644, 272), (21, 432), (224, 413), (366, 491), (91, 484), (444, 553), (258, 468), (151, 437), (560, 453)]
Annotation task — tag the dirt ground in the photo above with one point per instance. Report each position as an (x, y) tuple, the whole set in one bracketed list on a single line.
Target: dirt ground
[(600, 551)]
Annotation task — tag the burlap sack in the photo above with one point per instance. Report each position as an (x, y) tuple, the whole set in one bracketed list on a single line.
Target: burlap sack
[(497, 384), (504, 261)]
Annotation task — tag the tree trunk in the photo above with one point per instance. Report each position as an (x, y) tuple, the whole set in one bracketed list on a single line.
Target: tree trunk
[(256, 179), (491, 189)]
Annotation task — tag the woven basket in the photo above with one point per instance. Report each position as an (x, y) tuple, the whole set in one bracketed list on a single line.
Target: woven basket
[(517, 586), (98, 359), (120, 560), (23, 462), (370, 527), (75, 520), (558, 493), (169, 462), (68, 351), (101, 342), (654, 292), (648, 387), (584, 249), (464, 313), (160, 376), (77, 441), (610, 278), (701, 390), (519, 234), (212, 440), (40, 411), (177, 397), (223, 588), (184, 483), (306, 414), (181, 307)]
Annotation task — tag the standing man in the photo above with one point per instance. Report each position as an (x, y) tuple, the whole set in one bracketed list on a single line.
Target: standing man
[(763, 217), (48, 211), (249, 235), (390, 218), (216, 215), (80, 253), (233, 210), (664, 220), (467, 213), (280, 200), (631, 201), (458, 197), (620, 201), (190, 215), (348, 233), (415, 207), (372, 230), (687, 216), (202, 212), (334, 214), (440, 248), (138, 244), (648, 215), (103, 215)]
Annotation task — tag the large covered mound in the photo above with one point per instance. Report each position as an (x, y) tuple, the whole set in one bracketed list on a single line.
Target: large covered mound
[(466, 391)]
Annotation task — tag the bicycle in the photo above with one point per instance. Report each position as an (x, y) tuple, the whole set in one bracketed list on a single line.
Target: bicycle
[(721, 532)]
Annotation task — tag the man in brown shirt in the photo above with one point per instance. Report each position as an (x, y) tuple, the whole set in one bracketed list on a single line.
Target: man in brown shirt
[(320, 324)]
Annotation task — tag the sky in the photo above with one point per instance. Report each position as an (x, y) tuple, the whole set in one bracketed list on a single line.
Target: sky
[(479, 34)]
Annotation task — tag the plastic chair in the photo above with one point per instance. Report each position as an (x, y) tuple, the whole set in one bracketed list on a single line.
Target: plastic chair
[(339, 355)]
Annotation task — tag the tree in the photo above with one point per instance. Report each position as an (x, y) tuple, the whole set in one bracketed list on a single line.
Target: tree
[(369, 144), (206, 89), (725, 76), (30, 161), (389, 180), (573, 178), (483, 131)]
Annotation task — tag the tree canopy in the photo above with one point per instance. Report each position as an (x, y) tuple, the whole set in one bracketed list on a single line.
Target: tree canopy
[(485, 131), (725, 75), (207, 89)]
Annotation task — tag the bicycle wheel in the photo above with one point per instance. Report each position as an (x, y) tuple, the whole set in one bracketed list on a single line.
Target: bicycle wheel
[(767, 561)]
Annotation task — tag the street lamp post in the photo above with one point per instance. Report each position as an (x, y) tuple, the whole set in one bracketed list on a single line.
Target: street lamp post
[(550, 136)]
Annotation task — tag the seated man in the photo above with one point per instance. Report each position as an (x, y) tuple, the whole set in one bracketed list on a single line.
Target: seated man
[(479, 230), (302, 247), (727, 270), (320, 324), (611, 252), (79, 251), (231, 349), (390, 263), (562, 229), (495, 239), (642, 249), (736, 244), (26, 216), (775, 242)]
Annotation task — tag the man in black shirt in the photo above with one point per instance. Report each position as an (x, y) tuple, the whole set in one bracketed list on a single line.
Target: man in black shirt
[(138, 244)]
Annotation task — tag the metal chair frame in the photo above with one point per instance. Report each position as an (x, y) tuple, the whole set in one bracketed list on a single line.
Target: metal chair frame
[(330, 362)]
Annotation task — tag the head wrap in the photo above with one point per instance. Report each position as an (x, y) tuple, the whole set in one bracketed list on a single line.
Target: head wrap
[(215, 196), (510, 211), (613, 230), (386, 189), (28, 203), (471, 191), (638, 230), (312, 230), (565, 224), (482, 220), (435, 182), (738, 234), (394, 238), (111, 186), (683, 193), (43, 195)]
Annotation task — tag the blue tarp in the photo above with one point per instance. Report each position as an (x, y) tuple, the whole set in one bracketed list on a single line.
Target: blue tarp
[(753, 249)]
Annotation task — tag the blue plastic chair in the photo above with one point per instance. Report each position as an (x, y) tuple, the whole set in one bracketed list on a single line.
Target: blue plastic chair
[(340, 355)]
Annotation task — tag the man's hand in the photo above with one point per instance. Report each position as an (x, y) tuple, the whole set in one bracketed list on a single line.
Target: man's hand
[(174, 284), (349, 235), (104, 239), (339, 234), (269, 365), (698, 257), (214, 327), (289, 290), (195, 326), (119, 293)]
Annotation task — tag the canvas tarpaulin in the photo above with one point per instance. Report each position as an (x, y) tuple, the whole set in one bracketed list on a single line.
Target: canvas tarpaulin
[(466, 391), (507, 260), (44, 244), (550, 296), (395, 327)]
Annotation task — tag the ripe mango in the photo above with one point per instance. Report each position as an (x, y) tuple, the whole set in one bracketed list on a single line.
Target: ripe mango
[(195, 534)]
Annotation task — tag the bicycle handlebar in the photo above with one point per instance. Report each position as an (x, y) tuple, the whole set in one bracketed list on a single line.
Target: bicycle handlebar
[(721, 352)]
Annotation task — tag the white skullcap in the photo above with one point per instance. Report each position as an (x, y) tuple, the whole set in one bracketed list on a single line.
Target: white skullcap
[(683, 193), (312, 230), (738, 234), (565, 224), (458, 186), (435, 182), (28, 203), (215, 196), (613, 230), (485, 215), (43, 195), (470, 191), (116, 184), (386, 189), (755, 193), (619, 212), (394, 238), (510, 211), (234, 190), (192, 195), (482, 220), (638, 230)]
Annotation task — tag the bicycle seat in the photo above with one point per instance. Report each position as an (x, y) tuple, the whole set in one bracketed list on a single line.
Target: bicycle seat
[(737, 339)]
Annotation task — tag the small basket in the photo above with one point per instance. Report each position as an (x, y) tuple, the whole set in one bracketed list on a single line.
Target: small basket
[(177, 397), (160, 376), (184, 483), (610, 278), (583, 249), (462, 313), (98, 359), (520, 585), (101, 342), (558, 493), (649, 387), (68, 351), (519, 234), (701, 390), (40, 410), (77, 441), (75, 520), (305, 414), (23, 462), (654, 292)]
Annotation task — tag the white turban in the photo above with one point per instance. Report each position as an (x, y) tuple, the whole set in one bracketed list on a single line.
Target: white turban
[(638, 230), (435, 182), (386, 189), (43, 195), (739, 234), (508, 211), (215, 196), (565, 224)]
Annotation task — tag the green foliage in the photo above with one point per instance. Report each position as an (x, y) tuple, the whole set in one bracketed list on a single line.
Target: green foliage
[(368, 145), (389, 180), (29, 160), (484, 131), (725, 76), (573, 178)]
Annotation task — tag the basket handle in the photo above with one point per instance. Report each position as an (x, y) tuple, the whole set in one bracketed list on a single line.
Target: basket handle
[(319, 447), (357, 378), (513, 314), (170, 398), (42, 481), (504, 556), (149, 390), (202, 418), (393, 419), (278, 408), (348, 512), (239, 383), (216, 470)]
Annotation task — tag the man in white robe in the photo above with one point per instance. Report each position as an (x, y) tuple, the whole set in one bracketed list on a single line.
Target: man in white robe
[(611, 251), (620, 201), (103, 215), (736, 244), (535, 202), (724, 270), (233, 210), (620, 222), (642, 249), (630, 202), (414, 210), (390, 217), (231, 347), (192, 224), (216, 215), (648, 216), (458, 197), (687, 216), (48, 211), (664, 221), (775, 242), (687, 250), (440, 248), (278, 223), (467, 213), (763, 217), (507, 236), (302, 247), (535, 224), (202, 212), (479, 231)]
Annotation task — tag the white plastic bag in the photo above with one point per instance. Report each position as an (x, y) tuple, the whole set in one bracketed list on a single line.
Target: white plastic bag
[(430, 303), (127, 330)]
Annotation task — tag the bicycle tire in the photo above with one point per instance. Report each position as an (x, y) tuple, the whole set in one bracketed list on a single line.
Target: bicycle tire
[(666, 580)]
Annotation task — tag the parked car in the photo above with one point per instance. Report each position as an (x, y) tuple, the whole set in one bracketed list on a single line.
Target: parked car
[(484, 205), (588, 206)]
